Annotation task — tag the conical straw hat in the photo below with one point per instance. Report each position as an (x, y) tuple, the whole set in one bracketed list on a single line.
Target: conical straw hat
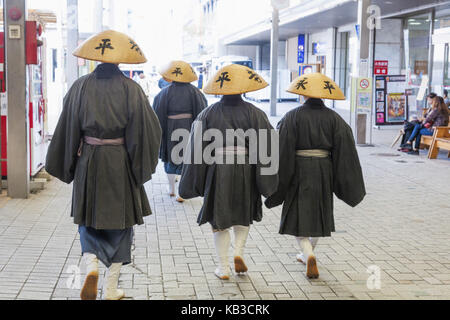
[(234, 79), (179, 71), (316, 85), (111, 47)]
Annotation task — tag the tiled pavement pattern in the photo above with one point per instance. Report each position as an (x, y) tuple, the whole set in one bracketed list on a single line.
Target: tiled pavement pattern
[(402, 227)]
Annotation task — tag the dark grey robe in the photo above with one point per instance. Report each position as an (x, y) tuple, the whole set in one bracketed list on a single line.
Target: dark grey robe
[(178, 98), (108, 192), (109, 246), (307, 184), (232, 192)]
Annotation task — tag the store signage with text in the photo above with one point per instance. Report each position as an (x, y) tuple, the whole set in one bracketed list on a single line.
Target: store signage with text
[(381, 67)]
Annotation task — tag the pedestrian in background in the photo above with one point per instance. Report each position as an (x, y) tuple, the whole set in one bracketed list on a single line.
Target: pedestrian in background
[(446, 99), (144, 83), (436, 117), (106, 142), (177, 106)]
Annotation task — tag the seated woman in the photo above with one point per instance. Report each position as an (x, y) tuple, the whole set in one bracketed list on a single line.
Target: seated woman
[(438, 117)]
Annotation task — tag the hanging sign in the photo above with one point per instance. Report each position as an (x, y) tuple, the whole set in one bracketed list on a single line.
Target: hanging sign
[(381, 67), (301, 48), (364, 95), (423, 88)]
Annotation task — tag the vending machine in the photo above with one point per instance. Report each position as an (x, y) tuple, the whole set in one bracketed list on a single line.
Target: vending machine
[(35, 53), (35, 66), (4, 105)]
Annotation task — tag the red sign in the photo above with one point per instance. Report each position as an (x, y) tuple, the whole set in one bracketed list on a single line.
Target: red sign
[(381, 67), (364, 84)]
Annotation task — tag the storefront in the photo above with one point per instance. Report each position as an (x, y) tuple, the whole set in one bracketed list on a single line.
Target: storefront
[(414, 51)]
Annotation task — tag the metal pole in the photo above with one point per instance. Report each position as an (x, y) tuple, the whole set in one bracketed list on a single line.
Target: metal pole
[(364, 42), (372, 114), (432, 16), (72, 41), (335, 36), (274, 62), (16, 83)]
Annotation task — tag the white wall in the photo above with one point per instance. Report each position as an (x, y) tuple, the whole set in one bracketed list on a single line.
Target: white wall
[(389, 44), (292, 54), (325, 37)]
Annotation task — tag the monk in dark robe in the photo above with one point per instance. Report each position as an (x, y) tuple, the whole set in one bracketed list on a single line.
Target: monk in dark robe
[(106, 143), (318, 157), (177, 106), (232, 189)]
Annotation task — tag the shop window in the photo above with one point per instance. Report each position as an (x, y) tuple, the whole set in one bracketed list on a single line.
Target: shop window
[(447, 65), (417, 37)]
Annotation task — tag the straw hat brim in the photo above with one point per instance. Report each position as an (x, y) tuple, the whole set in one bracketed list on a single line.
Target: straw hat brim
[(319, 96), (233, 80), (111, 47), (316, 85), (179, 71), (233, 92)]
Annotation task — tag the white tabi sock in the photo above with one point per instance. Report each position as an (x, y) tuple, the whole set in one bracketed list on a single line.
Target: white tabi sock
[(240, 240), (91, 262), (179, 199), (89, 290), (171, 178), (112, 282), (306, 247), (312, 272), (314, 242), (222, 241), (301, 257)]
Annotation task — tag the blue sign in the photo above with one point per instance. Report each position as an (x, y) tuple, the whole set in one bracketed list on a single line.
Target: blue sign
[(301, 48), (358, 30), (305, 69), (315, 48)]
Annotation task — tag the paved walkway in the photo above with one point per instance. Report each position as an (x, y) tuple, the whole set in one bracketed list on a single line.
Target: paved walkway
[(402, 229)]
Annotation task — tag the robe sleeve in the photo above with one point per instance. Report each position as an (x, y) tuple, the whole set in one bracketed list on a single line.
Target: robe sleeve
[(62, 154), (287, 153), (142, 136), (193, 176), (160, 107), (267, 173), (347, 173), (199, 102)]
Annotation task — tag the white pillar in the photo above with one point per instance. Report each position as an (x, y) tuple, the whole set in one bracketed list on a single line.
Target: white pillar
[(274, 62), (98, 16), (72, 41)]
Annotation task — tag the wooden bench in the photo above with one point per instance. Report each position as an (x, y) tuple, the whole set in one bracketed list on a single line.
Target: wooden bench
[(427, 141), (441, 140)]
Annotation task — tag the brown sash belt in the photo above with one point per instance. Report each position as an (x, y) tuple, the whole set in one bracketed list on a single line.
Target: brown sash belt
[(232, 151), (100, 142), (313, 153), (180, 116)]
